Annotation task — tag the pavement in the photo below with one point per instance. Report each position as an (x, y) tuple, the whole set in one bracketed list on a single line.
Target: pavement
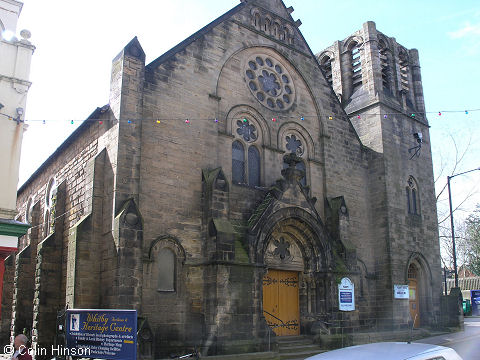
[(466, 343)]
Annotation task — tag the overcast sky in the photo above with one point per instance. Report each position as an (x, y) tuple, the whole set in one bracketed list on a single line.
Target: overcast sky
[(77, 40)]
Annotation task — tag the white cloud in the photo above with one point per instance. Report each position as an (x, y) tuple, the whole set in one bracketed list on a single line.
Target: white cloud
[(466, 31)]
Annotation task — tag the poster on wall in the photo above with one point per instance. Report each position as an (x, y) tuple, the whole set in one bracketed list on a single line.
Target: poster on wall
[(400, 291), (346, 295), (102, 334), (475, 296)]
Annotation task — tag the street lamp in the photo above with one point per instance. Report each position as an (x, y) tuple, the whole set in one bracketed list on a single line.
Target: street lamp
[(451, 222)]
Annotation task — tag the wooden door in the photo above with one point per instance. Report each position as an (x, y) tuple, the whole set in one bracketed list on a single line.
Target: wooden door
[(280, 302), (413, 302)]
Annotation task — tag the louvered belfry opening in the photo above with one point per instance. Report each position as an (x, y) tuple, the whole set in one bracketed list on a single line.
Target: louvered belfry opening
[(356, 66), (384, 63), (403, 62)]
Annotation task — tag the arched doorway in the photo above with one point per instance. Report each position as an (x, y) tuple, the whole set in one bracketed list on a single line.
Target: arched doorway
[(293, 290), (419, 278), (281, 285), (413, 300)]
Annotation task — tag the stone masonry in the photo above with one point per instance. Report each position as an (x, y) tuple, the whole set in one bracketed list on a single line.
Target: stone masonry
[(236, 152)]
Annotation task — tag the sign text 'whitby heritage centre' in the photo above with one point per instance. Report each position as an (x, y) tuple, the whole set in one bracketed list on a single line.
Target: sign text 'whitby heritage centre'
[(108, 334)]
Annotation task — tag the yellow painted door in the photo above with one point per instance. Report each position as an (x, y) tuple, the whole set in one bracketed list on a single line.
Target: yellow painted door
[(280, 302), (413, 302)]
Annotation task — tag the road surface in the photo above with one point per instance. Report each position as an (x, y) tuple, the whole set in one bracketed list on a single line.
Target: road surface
[(466, 343)]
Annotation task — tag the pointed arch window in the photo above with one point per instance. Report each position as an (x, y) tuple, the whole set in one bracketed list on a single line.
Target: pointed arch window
[(238, 163), (242, 171), (257, 20), (246, 163), (253, 166), (413, 201)]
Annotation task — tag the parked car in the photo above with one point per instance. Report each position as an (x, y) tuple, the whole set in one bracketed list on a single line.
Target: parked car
[(390, 351)]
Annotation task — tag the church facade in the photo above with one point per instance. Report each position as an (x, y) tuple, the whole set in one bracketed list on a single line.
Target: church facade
[(230, 185)]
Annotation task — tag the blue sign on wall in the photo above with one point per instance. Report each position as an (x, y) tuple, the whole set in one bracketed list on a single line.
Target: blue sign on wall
[(475, 295), (106, 334), (346, 297)]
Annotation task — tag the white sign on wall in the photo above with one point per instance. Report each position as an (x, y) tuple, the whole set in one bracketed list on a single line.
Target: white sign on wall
[(346, 295), (400, 291)]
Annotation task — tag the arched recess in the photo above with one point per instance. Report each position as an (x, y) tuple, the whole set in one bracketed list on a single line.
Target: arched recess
[(305, 149), (239, 112), (424, 289), (256, 18), (292, 245), (302, 133), (290, 34), (353, 52), (307, 231), (158, 272), (385, 54), (170, 242), (325, 60)]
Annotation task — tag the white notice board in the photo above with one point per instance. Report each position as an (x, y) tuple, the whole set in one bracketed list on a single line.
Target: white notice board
[(346, 295), (400, 291)]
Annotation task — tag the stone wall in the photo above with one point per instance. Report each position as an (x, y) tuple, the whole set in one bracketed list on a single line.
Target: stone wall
[(155, 178)]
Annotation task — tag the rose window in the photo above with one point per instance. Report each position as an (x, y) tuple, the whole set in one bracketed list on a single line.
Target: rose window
[(270, 83)]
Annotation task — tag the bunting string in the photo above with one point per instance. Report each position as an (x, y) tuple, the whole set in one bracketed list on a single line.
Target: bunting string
[(301, 117)]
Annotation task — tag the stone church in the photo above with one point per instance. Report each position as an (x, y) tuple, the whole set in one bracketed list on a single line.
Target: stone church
[(230, 185)]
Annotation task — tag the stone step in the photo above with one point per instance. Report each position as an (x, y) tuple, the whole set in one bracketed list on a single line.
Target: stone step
[(295, 342), (299, 348), (284, 339)]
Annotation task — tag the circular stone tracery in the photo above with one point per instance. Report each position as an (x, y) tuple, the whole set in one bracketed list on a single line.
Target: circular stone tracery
[(269, 82)]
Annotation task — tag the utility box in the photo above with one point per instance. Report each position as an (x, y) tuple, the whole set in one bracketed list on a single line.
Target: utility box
[(475, 296)]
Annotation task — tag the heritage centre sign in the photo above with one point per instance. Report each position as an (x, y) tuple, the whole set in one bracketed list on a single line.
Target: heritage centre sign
[(107, 334), (346, 295)]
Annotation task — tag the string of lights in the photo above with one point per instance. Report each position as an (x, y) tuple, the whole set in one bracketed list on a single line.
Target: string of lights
[(54, 219), (274, 119)]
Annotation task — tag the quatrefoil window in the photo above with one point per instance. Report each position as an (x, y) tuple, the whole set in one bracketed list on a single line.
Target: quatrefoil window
[(246, 130), (281, 248), (269, 81)]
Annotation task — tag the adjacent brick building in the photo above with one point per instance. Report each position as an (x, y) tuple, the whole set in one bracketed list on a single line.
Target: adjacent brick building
[(231, 184)]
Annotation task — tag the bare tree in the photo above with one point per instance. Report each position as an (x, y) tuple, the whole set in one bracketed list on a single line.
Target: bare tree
[(448, 168)]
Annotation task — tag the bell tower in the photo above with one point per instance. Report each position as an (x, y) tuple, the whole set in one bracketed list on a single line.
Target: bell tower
[(378, 82)]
